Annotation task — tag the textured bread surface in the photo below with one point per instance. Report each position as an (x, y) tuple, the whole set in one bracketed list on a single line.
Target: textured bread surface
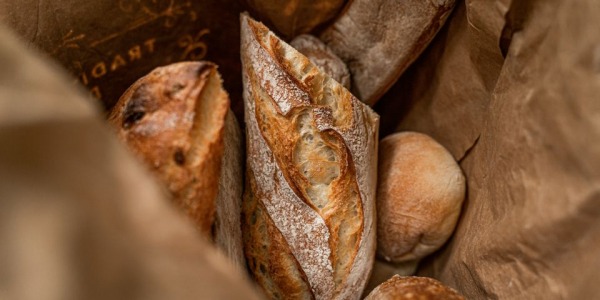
[(413, 288), (321, 56), (177, 121), (173, 119), (419, 196), (379, 39), (311, 174)]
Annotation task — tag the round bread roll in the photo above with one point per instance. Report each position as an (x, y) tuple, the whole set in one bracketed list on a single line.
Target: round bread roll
[(321, 56), (414, 288), (419, 196)]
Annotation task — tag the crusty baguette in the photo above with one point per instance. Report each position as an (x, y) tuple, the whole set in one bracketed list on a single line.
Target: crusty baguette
[(321, 56), (309, 215), (379, 39), (176, 120), (420, 193), (294, 17), (411, 288)]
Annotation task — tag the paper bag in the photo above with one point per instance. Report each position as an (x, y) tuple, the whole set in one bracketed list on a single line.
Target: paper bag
[(511, 89), (79, 218)]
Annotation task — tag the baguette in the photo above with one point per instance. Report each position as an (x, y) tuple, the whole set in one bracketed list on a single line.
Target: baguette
[(309, 215), (177, 121), (321, 56), (379, 39)]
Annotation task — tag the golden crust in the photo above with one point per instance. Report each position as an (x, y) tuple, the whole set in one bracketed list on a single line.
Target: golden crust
[(320, 55), (312, 150), (419, 197), (173, 120), (413, 288), (269, 258)]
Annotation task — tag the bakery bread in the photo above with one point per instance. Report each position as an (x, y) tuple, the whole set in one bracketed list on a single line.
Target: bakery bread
[(311, 172), (309, 214), (413, 288), (321, 56), (379, 39), (419, 196), (176, 120), (293, 17), (173, 119)]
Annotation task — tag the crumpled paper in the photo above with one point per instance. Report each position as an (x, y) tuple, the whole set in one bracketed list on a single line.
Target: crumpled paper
[(511, 89), (79, 217)]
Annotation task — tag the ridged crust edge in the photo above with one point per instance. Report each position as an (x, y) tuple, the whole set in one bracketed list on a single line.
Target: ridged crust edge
[(175, 137), (356, 123)]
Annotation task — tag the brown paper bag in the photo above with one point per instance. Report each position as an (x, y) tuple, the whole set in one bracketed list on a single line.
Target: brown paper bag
[(79, 218), (511, 89)]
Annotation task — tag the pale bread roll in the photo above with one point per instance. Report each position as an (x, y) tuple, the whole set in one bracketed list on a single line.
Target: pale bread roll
[(420, 193), (413, 288), (177, 121), (309, 214)]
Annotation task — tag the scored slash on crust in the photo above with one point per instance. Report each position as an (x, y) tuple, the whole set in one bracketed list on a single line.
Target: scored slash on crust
[(311, 155)]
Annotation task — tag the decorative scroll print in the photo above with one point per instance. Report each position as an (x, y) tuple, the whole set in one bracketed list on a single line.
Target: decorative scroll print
[(71, 40), (153, 10), (195, 49), (170, 11), (178, 17)]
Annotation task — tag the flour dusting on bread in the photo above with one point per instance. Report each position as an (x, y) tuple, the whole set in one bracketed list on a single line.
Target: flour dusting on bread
[(312, 159)]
